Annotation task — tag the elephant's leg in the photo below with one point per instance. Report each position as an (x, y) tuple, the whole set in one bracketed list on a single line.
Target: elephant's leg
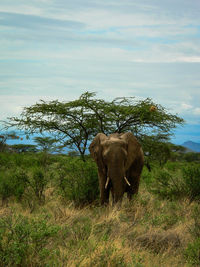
[(134, 187), (104, 192), (133, 174), (135, 183), (104, 196), (129, 195)]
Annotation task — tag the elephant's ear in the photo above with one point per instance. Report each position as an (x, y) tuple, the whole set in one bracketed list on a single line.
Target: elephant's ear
[(95, 149), (133, 147)]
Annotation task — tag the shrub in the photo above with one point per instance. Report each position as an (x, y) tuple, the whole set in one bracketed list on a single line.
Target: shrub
[(179, 183), (7, 161), (166, 185), (78, 181), (24, 242), (191, 180), (38, 183), (13, 183)]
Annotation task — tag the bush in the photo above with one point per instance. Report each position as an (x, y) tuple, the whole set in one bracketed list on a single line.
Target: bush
[(24, 242), (38, 183), (18, 183), (6, 161), (191, 179), (166, 185), (175, 183), (78, 181), (13, 183)]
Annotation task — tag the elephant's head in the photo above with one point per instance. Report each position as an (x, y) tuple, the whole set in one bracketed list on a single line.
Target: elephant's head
[(114, 155)]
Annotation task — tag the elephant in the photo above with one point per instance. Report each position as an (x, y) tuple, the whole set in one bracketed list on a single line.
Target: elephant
[(120, 160)]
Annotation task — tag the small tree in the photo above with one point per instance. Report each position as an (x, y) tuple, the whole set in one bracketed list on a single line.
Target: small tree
[(46, 144)]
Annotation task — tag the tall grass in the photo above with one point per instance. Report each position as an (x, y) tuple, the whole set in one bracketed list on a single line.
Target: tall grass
[(52, 218)]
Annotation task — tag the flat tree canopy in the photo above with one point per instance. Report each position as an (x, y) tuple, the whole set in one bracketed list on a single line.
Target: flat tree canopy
[(75, 123)]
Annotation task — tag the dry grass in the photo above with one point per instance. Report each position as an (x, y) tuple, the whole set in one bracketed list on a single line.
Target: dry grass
[(147, 232)]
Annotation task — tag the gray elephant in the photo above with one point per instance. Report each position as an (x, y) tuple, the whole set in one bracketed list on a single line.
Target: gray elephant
[(120, 161)]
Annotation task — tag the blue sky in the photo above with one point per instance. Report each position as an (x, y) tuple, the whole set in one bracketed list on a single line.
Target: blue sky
[(58, 49)]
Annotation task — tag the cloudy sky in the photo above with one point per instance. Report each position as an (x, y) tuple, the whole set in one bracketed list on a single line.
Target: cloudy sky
[(58, 49)]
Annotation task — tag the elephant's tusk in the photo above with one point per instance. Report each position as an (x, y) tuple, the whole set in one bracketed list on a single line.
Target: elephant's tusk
[(107, 181), (127, 181)]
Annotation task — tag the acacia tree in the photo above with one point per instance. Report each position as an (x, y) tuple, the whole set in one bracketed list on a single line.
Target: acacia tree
[(47, 144), (75, 123)]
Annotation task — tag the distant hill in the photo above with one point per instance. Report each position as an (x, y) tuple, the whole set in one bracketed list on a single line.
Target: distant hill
[(195, 147)]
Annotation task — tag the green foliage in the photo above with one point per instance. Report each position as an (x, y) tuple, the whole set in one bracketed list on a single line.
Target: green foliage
[(165, 184), (24, 176), (13, 160), (156, 149), (46, 144), (173, 183), (12, 183), (24, 242), (38, 182), (191, 178), (191, 156), (5, 160), (78, 181), (75, 123)]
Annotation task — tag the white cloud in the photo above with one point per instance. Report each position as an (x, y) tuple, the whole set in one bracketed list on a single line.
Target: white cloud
[(185, 106), (12, 105), (197, 111)]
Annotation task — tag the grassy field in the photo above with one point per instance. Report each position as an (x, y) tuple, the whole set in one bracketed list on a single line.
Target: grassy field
[(46, 220)]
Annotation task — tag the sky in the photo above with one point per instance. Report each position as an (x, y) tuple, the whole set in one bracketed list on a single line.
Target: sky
[(59, 49)]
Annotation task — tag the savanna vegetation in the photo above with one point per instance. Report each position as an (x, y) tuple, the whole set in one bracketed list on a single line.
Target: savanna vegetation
[(50, 213)]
